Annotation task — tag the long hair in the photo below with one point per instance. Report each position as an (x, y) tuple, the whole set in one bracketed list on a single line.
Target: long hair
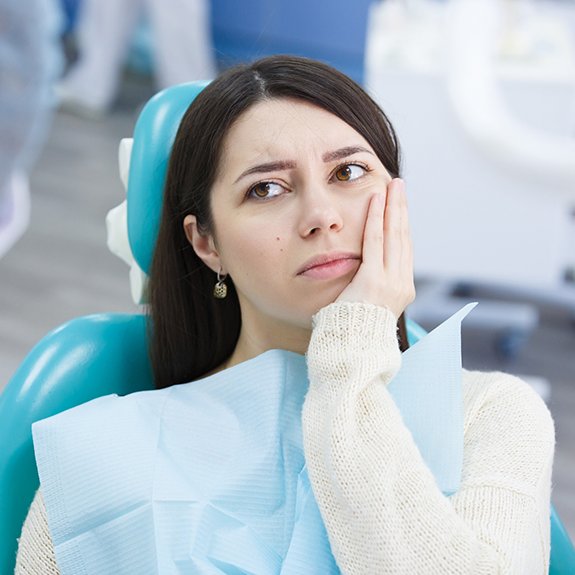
[(190, 331)]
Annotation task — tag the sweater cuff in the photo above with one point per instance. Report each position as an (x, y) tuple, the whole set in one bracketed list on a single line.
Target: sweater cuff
[(345, 332), (355, 324)]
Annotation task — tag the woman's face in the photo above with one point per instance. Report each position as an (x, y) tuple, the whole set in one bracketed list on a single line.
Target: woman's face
[(289, 207)]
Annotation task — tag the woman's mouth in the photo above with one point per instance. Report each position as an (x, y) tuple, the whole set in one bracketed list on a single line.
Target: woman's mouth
[(329, 266)]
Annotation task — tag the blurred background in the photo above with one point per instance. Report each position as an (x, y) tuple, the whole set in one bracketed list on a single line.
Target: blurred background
[(482, 96)]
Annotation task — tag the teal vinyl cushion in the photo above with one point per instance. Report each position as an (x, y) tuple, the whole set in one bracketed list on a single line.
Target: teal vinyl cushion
[(85, 358), (154, 136)]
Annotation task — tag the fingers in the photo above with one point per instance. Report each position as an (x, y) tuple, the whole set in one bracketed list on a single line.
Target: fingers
[(396, 237), (385, 276), (387, 241), (397, 244), (372, 253)]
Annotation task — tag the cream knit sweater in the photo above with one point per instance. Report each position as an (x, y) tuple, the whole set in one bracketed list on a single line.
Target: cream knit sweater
[(381, 507)]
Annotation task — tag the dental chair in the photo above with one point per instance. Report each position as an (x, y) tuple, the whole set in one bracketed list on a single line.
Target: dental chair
[(101, 354)]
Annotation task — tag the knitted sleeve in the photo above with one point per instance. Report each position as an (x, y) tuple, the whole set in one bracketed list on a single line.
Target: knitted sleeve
[(379, 502), (36, 550)]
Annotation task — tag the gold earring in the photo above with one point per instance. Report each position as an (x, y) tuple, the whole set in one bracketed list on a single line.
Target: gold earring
[(221, 289)]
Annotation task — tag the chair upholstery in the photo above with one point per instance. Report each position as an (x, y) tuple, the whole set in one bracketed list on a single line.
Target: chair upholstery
[(82, 359), (562, 560), (154, 136)]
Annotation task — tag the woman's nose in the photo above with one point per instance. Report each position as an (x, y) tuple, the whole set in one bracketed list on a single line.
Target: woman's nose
[(319, 212)]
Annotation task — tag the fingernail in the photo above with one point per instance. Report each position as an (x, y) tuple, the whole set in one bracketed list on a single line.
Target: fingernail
[(401, 185), (380, 198)]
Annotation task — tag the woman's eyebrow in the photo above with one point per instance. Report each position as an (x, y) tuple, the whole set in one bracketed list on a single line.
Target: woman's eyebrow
[(269, 167), (291, 165), (344, 153)]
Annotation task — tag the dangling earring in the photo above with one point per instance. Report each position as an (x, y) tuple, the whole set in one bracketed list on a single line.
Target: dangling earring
[(221, 289)]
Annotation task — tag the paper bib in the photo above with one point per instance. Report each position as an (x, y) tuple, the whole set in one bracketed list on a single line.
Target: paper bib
[(209, 477)]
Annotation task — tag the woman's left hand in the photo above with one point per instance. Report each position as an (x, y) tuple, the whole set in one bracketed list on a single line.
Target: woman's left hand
[(385, 276)]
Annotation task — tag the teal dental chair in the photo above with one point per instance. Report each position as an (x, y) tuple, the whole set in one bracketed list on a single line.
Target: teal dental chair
[(102, 354)]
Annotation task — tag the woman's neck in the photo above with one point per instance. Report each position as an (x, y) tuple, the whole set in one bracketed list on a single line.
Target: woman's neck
[(259, 334), (249, 347)]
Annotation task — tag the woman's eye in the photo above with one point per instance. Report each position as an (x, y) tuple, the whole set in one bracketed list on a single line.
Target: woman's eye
[(265, 190), (349, 172)]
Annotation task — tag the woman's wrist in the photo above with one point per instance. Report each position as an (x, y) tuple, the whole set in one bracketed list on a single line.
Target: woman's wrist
[(349, 334), (344, 319)]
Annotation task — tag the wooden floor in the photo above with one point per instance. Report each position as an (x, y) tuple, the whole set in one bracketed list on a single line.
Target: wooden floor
[(62, 269)]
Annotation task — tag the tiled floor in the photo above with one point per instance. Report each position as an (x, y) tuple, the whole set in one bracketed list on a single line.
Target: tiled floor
[(62, 269)]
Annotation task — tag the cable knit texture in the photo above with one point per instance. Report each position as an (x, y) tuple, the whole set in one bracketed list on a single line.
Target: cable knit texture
[(36, 551), (381, 507)]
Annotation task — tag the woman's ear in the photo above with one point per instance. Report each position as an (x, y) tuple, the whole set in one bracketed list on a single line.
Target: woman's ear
[(203, 245)]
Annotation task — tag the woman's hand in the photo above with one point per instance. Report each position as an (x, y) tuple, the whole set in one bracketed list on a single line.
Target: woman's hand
[(385, 276)]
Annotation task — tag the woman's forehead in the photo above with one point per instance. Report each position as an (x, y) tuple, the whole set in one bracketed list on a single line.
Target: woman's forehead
[(286, 129)]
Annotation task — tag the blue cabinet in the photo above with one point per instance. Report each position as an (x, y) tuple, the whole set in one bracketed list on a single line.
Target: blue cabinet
[(333, 31)]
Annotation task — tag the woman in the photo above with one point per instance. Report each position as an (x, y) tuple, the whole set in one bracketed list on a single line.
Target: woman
[(285, 227)]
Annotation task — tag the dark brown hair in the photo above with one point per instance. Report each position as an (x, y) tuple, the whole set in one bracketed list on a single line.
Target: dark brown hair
[(191, 332)]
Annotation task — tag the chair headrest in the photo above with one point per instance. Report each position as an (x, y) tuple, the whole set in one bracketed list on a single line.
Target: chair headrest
[(154, 136)]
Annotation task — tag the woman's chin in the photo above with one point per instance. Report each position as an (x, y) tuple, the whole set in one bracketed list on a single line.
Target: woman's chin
[(326, 296)]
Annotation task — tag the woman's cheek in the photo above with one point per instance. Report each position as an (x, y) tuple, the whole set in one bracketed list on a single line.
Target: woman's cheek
[(254, 260)]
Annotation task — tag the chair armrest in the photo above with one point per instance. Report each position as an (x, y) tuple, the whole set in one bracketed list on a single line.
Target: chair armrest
[(85, 358)]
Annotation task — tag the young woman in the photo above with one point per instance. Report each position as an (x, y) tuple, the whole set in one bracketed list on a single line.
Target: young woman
[(285, 227)]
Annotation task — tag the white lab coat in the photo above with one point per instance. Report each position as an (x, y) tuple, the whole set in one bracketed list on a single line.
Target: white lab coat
[(182, 45)]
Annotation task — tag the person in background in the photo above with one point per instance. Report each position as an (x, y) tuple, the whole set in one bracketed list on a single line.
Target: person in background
[(182, 49), (31, 61)]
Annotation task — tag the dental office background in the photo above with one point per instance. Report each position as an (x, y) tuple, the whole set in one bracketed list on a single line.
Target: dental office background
[(481, 93)]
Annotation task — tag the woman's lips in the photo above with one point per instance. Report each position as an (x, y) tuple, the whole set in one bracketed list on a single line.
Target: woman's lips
[(329, 266)]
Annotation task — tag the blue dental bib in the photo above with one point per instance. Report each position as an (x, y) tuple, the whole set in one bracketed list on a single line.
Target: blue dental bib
[(209, 477)]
